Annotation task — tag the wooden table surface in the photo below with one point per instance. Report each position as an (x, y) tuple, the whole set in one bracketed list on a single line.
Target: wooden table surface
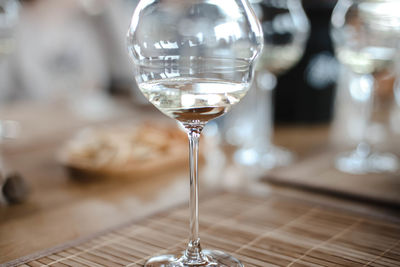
[(60, 209)]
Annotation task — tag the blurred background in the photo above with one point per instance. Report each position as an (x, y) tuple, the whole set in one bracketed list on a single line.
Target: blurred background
[(66, 48), (71, 48), (73, 53), (65, 74)]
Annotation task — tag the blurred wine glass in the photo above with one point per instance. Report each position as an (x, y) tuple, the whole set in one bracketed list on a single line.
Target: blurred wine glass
[(286, 30), (64, 62), (366, 36), (394, 117), (9, 13)]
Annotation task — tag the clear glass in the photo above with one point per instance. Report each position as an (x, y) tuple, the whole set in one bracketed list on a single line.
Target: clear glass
[(286, 30), (366, 37), (66, 61), (194, 60), (9, 14)]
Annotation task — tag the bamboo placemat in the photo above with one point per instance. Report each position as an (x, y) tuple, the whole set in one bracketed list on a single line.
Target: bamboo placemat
[(318, 173), (260, 231)]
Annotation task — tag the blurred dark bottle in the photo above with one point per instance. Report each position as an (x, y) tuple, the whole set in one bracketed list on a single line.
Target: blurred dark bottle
[(305, 94)]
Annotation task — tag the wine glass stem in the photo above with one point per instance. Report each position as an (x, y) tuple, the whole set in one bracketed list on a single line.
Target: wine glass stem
[(367, 86), (2, 171), (193, 253), (265, 106)]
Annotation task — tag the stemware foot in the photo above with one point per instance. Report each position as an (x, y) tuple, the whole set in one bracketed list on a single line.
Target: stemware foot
[(266, 159), (212, 258), (352, 162)]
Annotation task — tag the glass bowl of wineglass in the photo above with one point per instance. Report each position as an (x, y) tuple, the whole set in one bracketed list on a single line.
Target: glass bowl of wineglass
[(286, 30), (194, 60), (366, 39)]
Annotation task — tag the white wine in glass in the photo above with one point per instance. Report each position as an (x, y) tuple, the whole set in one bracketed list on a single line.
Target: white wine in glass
[(190, 99), (367, 60), (194, 60)]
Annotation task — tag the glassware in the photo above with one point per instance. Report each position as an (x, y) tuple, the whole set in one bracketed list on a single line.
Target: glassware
[(366, 35), (9, 129), (394, 116), (9, 14), (65, 62), (194, 60), (286, 31)]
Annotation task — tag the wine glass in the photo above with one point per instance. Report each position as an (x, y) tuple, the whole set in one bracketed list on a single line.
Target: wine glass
[(365, 35), (9, 14), (194, 60), (286, 29)]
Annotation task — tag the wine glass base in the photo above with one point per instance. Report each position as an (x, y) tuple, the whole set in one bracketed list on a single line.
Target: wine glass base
[(352, 162), (213, 258), (266, 159)]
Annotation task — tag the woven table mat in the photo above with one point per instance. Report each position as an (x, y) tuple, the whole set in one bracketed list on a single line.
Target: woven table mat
[(260, 231), (318, 173)]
